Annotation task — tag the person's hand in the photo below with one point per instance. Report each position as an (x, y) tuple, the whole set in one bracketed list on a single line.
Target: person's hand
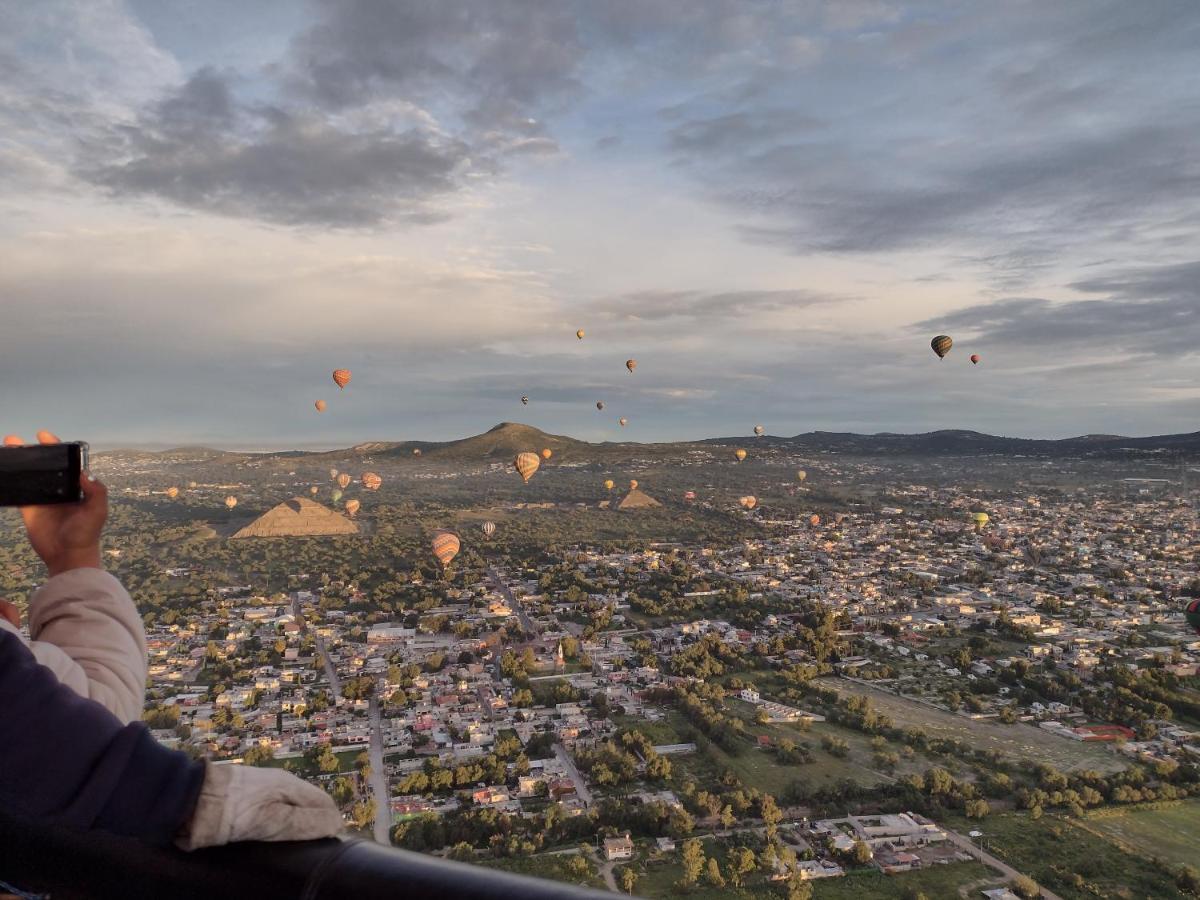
[(244, 803), (12, 614), (66, 535)]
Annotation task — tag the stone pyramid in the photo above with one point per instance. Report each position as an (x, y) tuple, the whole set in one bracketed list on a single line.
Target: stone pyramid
[(637, 499), (298, 517)]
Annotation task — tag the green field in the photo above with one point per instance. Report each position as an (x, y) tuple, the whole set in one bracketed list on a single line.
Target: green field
[(553, 867), (1170, 833), (1019, 740), (936, 881)]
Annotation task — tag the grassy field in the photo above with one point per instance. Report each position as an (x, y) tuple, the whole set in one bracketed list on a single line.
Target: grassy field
[(1072, 862), (936, 881), (1020, 740), (1170, 833), (554, 867)]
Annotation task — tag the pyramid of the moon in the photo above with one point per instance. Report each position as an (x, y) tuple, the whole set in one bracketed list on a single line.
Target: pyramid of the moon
[(637, 499), (298, 517)]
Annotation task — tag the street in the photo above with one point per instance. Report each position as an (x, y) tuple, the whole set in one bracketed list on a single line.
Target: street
[(379, 782), (581, 788)]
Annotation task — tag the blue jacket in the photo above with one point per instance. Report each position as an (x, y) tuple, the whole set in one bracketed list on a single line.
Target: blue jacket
[(66, 760)]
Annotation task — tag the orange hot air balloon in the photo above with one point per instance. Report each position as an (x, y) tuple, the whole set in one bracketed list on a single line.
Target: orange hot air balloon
[(974, 359), (526, 464), (341, 377), (445, 547), (579, 334), (352, 507), (320, 405), (740, 454), (748, 502), (610, 484), (814, 520), (622, 421), (547, 453), (344, 480), (172, 492), (314, 490), (631, 364), (371, 481), (633, 484), (231, 502)]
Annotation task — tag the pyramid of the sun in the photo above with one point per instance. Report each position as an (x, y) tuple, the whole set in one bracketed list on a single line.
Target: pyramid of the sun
[(637, 499), (298, 517)]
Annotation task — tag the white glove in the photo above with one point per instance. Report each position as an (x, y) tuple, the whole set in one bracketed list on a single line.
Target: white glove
[(243, 803)]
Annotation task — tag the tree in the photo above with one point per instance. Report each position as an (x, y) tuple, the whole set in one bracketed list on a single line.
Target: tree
[(692, 861), (727, 817), (628, 879), (798, 888), (1025, 887), (770, 815), (713, 874), (258, 755), (362, 814), (860, 853), (1188, 881), (577, 866), (741, 863), (977, 809)]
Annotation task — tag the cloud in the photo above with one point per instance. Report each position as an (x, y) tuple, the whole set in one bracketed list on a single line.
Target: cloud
[(707, 305)]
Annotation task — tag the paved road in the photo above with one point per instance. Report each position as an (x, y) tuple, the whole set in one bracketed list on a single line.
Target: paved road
[(581, 788), (335, 686), (379, 785), (499, 585), (965, 843)]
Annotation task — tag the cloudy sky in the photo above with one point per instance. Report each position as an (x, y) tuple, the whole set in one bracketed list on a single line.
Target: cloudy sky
[(207, 205)]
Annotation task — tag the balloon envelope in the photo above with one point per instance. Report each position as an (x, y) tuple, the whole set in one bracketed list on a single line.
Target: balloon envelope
[(748, 502), (320, 405), (526, 464), (633, 485), (231, 502), (371, 481), (341, 377), (416, 451), (814, 519), (599, 404), (344, 480), (689, 495), (313, 490), (1191, 614), (801, 475), (172, 492), (489, 528), (333, 473), (740, 454), (336, 495), (352, 507), (445, 546), (525, 401), (547, 453), (758, 430), (941, 345), (610, 484), (974, 359), (579, 334), (631, 364), (623, 421)]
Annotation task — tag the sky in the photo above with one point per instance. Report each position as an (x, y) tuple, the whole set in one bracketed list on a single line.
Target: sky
[(206, 206)]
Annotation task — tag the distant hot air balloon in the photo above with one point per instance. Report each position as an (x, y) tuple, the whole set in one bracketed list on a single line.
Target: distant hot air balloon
[(1191, 614), (344, 480), (416, 451), (445, 547), (489, 528), (623, 421), (633, 484), (172, 492), (599, 404), (759, 430), (814, 520), (231, 501), (333, 473), (525, 401), (974, 359), (748, 502), (352, 507), (547, 453), (579, 334), (371, 481), (341, 377), (941, 345), (193, 485), (526, 464), (689, 496), (336, 495), (320, 405), (801, 475), (609, 484), (740, 454), (631, 364), (314, 490), (980, 519)]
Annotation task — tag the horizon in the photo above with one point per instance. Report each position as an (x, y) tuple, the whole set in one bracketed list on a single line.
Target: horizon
[(773, 208)]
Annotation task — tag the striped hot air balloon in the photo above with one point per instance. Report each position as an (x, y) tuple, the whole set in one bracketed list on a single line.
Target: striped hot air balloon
[(631, 364), (547, 453), (974, 359), (231, 501), (344, 480), (172, 492), (748, 502), (609, 484), (759, 430), (579, 334), (445, 547), (489, 528), (740, 454), (941, 345), (341, 377), (622, 421), (371, 481), (320, 405), (526, 464), (352, 507)]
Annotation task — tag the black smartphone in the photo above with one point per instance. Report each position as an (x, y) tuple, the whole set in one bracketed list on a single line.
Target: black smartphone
[(41, 474)]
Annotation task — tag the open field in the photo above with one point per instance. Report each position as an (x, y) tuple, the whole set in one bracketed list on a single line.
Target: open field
[(1072, 862), (554, 867), (1169, 833), (1019, 740)]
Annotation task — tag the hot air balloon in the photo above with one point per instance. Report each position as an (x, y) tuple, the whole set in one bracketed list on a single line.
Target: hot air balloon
[(740, 454), (547, 453), (801, 475), (445, 546), (599, 404), (344, 480), (371, 481), (941, 345), (758, 430), (689, 496), (333, 473), (489, 528), (631, 364), (336, 495), (1191, 613), (320, 405), (980, 519), (341, 377), (633, 484), (231, 502), (526, 464), (193, 485), (610, 484), (814, 520), (974, 359), (314, 490), (416, 451), (525, 401), (579, 334), (352, 508), (748, 502), (172, 492), (622, 421)]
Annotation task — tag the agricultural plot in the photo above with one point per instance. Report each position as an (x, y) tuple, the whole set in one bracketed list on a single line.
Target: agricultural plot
[(1169, 833), (1020, 740)]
